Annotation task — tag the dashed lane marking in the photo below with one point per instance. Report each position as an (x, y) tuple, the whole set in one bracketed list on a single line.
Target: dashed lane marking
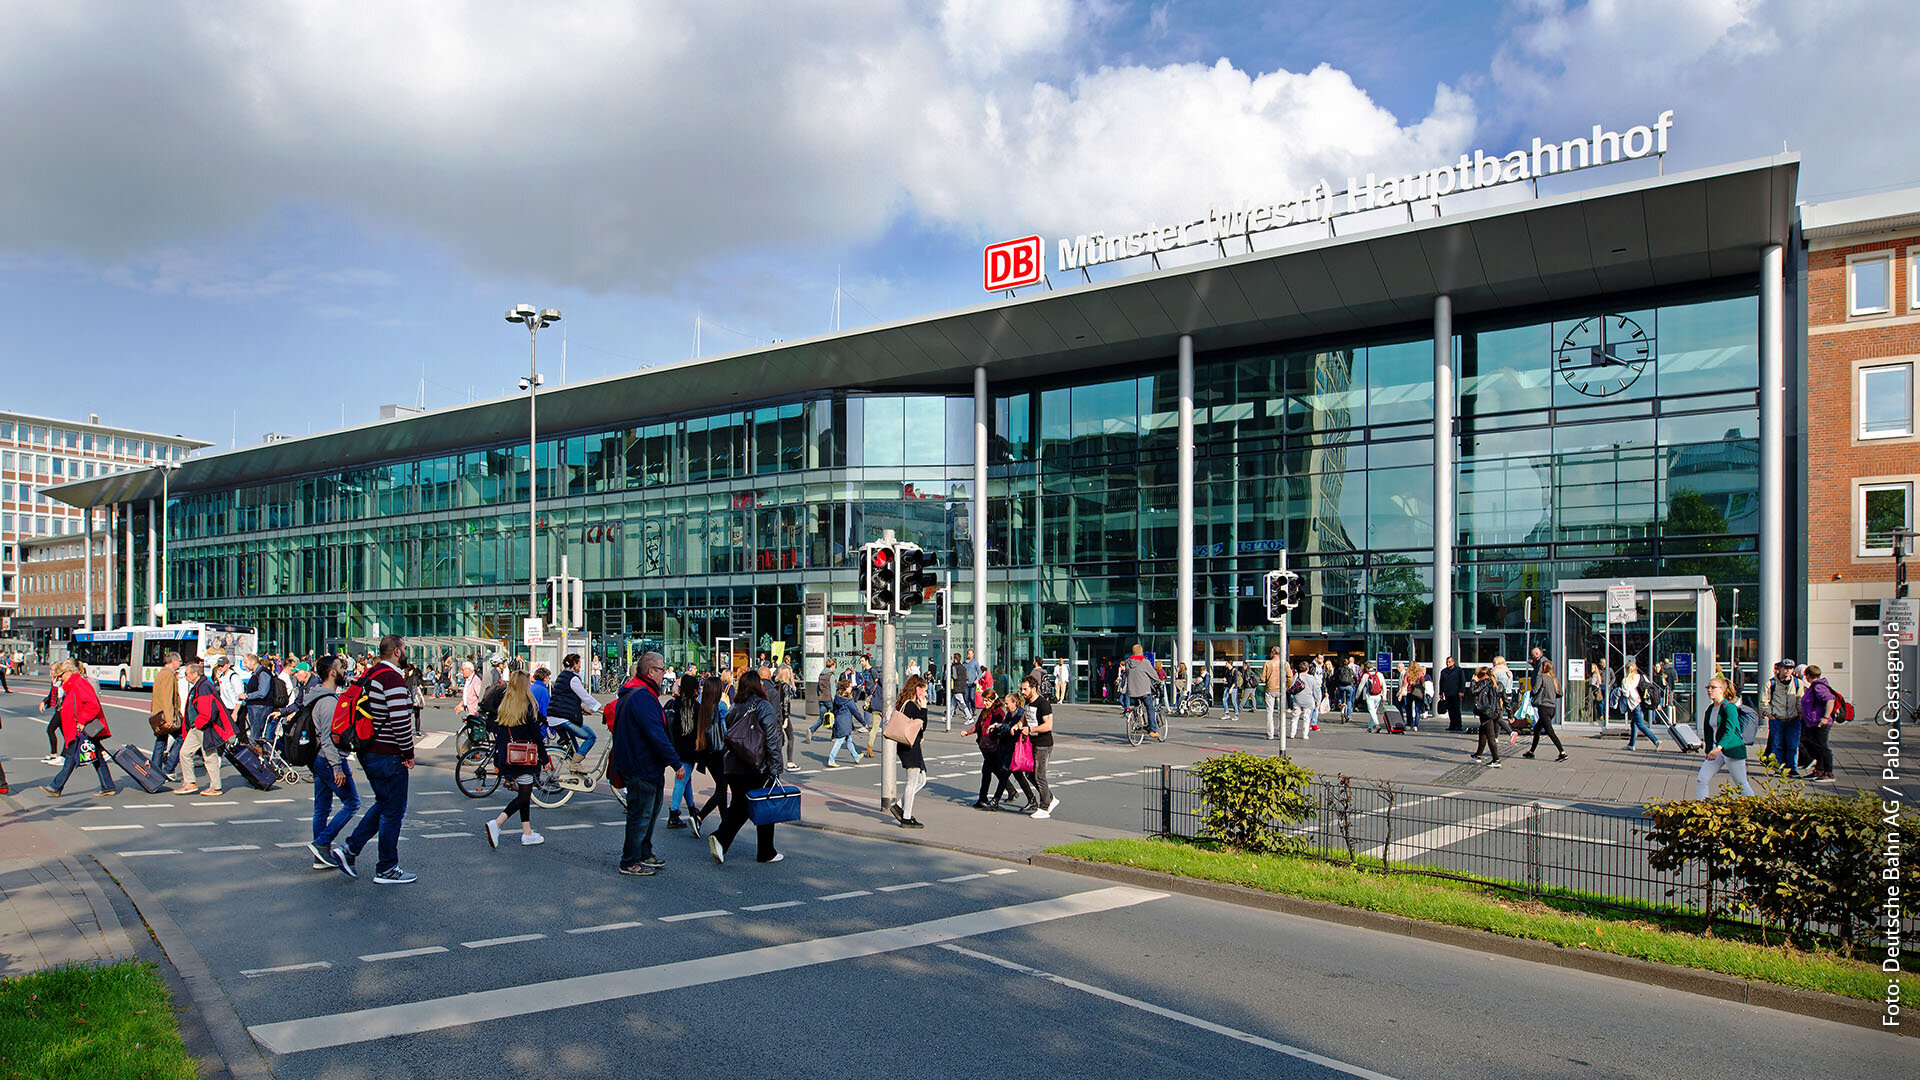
[(1067, 783), (292, 843), (425, 812), (265, 802), (904, 888), (317, 965), (156, 851), (149, 806), (254, 821), (844, 895), (962, 877), (234, 847), (184, 824), (604, 927), (216, 802), (374, 958), (1003, 870), (774, 907), (444, 835), (487, 943), (368, 1025), (108, 828), (575, 825), (713, 914)]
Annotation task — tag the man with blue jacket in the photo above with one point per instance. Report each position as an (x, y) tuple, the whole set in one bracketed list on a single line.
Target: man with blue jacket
[(641, 754)]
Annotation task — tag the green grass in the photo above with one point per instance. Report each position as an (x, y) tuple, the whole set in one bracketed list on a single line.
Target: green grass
[(87, 1023), (1561, 921)]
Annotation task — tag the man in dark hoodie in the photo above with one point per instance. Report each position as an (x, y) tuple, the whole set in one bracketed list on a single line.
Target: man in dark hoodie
[(641, 753)]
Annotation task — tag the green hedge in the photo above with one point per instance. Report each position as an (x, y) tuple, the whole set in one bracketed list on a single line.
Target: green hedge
[(1246, 797)]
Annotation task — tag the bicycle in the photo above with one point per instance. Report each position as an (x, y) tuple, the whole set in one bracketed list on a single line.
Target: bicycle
[(1134, 717), (553, 786)]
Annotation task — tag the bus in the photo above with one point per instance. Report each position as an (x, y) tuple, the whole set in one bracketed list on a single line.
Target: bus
[(129, 656)]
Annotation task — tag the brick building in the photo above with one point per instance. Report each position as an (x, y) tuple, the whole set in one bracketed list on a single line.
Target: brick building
[(52, 587), (1863, 441)]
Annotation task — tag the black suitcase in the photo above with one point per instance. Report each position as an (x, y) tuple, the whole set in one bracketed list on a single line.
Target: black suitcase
[(133, 761), (247, 761)]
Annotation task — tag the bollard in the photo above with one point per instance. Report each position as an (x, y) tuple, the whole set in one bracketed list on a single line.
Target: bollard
[(1166, 800)]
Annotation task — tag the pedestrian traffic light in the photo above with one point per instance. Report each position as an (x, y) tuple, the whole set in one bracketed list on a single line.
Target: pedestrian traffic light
[(1296, 590), (879, 581), (915, 578), (942, 609)]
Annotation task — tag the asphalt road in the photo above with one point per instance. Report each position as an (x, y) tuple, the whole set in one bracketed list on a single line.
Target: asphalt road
[(853, 957)]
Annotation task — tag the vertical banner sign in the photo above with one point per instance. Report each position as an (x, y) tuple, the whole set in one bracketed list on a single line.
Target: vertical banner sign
[(813, 646)]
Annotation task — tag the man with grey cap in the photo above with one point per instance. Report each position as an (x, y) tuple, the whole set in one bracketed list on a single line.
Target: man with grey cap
[(1780, 704)]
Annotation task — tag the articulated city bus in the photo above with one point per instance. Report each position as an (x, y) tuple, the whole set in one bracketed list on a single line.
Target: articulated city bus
[(130, 656)]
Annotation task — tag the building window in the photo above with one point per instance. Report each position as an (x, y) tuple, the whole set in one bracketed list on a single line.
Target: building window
[(1913, 279), (1869, 284), (1882, 509), (1886, 401)]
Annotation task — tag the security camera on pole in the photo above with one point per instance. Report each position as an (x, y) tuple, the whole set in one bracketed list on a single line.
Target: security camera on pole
[(1285, 591)]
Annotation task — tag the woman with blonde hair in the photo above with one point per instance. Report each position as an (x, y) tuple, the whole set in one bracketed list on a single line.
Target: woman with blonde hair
[(1632, 701), (913, 702), (1726, 748), (518, 754), (61, 669)]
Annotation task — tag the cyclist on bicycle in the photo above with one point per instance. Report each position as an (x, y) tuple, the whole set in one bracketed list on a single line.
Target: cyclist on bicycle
[(569, 703), (1138, 682)]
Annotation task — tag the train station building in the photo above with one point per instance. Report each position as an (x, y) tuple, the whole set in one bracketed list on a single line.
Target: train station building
[(1441, 411)]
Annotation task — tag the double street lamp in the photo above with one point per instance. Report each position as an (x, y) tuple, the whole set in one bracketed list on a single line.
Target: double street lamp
[(535, 321)]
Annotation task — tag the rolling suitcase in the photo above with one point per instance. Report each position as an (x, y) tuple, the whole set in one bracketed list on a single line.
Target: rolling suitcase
[(133, 761), (247, 761), (1686, 738)]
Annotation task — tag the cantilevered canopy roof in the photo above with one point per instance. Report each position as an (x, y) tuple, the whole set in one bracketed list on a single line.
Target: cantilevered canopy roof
[(1668, 230)]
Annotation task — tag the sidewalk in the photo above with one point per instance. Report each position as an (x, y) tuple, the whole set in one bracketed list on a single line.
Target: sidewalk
[(53, 909)]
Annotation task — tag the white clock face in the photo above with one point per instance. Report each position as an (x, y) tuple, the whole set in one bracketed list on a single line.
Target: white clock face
[(1604, 355)]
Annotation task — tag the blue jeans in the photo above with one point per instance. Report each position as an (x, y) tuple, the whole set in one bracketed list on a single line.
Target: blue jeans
[(1788, 732), (72, 755), (1638, 718), (257, 719), (643, 807), (1230, 700), (166, 754), (682, 792), (583, 738), (324, 790), (833, 755), (1147, 702), (387, 776)]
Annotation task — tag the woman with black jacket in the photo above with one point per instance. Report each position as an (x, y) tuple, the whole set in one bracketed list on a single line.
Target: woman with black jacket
[(708, 754), (1546, 705), (750, 704), (683, 719), (913, 702)]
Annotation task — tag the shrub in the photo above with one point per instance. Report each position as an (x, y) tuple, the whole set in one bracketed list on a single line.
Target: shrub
[(1245, 798)]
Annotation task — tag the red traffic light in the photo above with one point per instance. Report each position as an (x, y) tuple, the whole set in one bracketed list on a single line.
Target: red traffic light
[(882, 556)]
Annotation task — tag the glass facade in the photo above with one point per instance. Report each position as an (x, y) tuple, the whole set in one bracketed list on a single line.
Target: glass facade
[(1571, 464)]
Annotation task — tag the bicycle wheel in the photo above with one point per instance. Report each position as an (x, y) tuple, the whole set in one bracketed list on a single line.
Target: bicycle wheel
[(1136, 729), (548, 794), (475, 775)]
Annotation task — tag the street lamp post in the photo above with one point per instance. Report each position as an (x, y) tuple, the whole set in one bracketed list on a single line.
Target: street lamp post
[(535, 321), (166, 471)]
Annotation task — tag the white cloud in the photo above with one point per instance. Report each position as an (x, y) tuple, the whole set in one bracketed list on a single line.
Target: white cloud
[(613, 145)]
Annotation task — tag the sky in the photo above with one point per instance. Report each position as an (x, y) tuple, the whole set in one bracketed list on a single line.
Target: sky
[(221, 220)]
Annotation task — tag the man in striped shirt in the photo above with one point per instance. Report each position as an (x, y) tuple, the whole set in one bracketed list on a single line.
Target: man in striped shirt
[(385, 760)]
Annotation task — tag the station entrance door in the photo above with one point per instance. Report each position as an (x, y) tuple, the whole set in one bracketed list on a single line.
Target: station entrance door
[(1673, 619)]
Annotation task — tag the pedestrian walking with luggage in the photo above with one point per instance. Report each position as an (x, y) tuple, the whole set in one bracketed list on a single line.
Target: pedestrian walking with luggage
[(1633, 701), (517, 755), (1413, 694), (210, 726), (1726, 749), (745, 775), (1817, 708), (387, 761), (1372, 691), (332, 773), (85, 725), (1546, 706), (912, 703), (164, 705)]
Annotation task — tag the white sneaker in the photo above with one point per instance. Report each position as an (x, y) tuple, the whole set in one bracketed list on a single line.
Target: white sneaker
[(493, 835), (1054, 805), (531, 838), (1041, 814), (714, 849)]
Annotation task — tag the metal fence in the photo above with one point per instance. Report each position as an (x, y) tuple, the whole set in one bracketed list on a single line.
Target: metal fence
[(1530, 847)]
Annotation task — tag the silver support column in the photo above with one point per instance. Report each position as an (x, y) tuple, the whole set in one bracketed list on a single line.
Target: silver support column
[(86, 540), (126, 525), (1772, 612), (1444, 528), (1183, 584), (977, 510), (111, 575), (153, 558)]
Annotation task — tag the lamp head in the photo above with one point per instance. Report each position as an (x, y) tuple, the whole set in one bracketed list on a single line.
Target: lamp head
[(549, 316)]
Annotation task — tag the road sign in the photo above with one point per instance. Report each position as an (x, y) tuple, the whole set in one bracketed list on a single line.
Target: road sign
[(532, 632), (1897, 619), (1683, 665), (1622, 607)]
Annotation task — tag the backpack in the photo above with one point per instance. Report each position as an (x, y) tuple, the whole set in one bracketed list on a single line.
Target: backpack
[(1749, 724), (1842, 708), (1375, 684), (277, 697), (220, 725), (352, 722), (300, 745), (746, 740), (1486, 700)]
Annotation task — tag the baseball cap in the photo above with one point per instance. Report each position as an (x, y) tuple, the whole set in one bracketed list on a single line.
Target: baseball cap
[(1783, 663), (303, 666)]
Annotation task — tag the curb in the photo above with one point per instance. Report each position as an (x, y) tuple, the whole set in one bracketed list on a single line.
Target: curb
[(1821, 1006)]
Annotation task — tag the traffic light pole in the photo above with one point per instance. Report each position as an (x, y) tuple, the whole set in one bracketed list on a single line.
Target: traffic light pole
[(1286, 663), (889, 759)]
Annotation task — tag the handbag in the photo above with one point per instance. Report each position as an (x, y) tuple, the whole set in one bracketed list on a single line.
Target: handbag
[(522, 753), (902, 728), (1022, 755), (94, 728), (774, 804)]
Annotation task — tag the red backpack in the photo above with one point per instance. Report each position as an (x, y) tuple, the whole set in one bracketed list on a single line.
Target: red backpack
[(352, 724)]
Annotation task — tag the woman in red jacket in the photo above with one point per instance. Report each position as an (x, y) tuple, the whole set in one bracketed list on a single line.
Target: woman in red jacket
[(79, 707)]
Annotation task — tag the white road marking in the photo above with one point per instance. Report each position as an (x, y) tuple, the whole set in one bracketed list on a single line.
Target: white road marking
[(951, 775), (620, 822), (487, 943), (234, 847), (372, 958), (292, 843), (575, 825), (148, 805), (158, 851), (604, 927), (1004, 870), (434, 1014), (184, 824), (317, 965), (1171, 1014), (108, 828), (962, 877), (444, 835), (432, 793), (264, 802), (253, 821), (908, 885), (424, 812), (430, 740), (79, 809), (844, 895), (1441, 836), (216, 802), (774, 907), (1067, 783), (714, 914)]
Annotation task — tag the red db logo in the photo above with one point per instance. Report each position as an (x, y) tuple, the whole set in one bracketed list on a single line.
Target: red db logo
[(1013, 263)]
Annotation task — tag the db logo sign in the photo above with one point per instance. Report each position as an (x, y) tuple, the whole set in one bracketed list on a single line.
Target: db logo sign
[(1013, 263)]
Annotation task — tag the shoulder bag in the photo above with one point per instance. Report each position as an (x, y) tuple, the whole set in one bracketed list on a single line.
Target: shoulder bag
[(522, 754), (902, 728)]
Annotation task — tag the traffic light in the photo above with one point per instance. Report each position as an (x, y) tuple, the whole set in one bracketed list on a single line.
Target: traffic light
[(942, 609), (1275, 595), (1296, 590), (879, 580), (914, 579)]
